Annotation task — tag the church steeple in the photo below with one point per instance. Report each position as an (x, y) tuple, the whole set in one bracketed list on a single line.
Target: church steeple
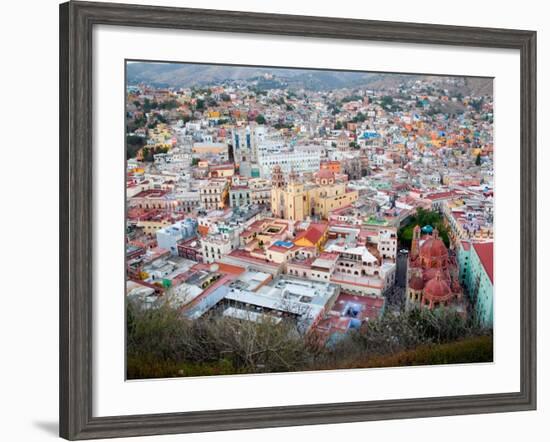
[(293, 176), (277, 178), (415, 246)]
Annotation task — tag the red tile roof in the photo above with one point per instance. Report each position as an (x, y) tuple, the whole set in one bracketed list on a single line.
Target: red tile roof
[(330, 256), (283, 249), (440, 195), (244, 255), (485, 252), (230, 269), (314, 233), (151, 193)]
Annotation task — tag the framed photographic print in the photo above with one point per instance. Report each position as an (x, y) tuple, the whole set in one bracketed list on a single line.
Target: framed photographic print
[(272, 220)]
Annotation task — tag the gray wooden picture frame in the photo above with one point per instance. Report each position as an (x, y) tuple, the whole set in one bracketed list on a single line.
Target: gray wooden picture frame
[(76, 243)]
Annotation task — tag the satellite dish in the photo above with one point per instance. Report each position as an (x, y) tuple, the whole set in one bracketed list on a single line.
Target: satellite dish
[(214, 267)]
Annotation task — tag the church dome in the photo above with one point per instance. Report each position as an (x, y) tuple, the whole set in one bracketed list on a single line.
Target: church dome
[(430, 273), (437, 288), (416, 283), (325, 174), (433, 248), (324, 177)]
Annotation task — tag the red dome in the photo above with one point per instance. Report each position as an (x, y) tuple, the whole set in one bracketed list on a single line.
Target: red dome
[(325, 174), (416, 283), (437, 288), (433, 248), (430, 273)]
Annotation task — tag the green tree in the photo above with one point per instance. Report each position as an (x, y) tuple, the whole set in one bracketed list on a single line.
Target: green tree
[(170, 104), (149, 105), (360, 117), (351, 98), (477, 104), (260, 119), (386, 101), (160, 342), (133, 144), (422, 218), (283, 125), (184, 117), (139, 121), (148, 153)]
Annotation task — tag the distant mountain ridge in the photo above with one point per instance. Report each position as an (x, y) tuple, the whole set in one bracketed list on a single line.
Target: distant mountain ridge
[(183, 75)]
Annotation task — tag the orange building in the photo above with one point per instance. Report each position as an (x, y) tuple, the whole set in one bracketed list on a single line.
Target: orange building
[(314, 236), (333, 166)]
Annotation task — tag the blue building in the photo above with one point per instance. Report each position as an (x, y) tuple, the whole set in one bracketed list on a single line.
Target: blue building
[(168, 237), (476, 275)]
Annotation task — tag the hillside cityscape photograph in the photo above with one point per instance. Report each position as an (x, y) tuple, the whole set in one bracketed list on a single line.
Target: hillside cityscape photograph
[(290, 220)]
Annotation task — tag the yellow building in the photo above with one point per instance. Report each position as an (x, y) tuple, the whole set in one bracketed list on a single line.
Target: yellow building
[(296, 201), (151, 226), (222, 171), (314, 236), (160, 136)]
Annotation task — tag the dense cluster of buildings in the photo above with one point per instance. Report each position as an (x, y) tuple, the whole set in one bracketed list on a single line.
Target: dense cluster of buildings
[(277, 204)]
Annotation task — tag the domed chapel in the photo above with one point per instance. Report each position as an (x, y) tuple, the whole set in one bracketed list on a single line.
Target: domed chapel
[(432, 275)]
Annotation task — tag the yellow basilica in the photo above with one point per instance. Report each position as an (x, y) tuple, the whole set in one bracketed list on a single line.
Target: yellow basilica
[(296, 201)]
